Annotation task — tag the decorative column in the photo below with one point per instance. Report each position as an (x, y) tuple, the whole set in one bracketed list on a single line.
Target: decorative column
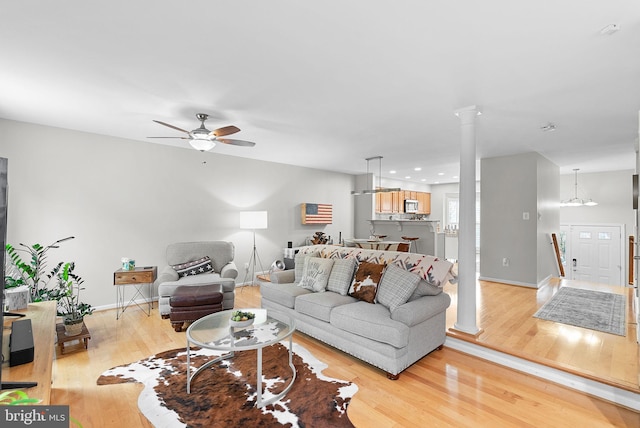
[(466, 320)]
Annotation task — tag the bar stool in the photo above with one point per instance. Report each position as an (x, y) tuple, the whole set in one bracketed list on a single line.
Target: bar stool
[(411, 240)]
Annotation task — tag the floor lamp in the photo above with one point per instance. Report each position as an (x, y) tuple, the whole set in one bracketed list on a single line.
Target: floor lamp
[(253, 220)]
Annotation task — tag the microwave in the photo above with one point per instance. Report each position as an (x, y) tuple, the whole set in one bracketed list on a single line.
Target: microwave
[(410, 206)]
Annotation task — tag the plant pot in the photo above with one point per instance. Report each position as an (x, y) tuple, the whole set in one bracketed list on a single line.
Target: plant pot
[(73, 326)]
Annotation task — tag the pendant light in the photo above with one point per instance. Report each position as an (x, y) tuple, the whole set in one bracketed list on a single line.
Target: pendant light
[(378, 189), (575, 201)]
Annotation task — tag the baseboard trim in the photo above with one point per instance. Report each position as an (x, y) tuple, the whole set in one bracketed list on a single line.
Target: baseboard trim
[(610, 393), (509, 282)]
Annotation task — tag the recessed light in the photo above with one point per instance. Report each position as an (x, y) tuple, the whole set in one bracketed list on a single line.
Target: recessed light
[(392, 172), (437, 182), (441, 173), (456, 177), (417, 168), (610, 29), (424, 179), (407, 177)]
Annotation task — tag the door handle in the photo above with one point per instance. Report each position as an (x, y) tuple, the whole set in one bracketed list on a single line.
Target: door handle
[(575, 262)]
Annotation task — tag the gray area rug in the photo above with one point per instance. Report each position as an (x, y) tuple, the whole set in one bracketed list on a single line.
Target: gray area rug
[(594, 310)]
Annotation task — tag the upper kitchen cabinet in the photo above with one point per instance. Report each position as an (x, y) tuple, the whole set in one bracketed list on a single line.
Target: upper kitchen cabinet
[(393, 202), (424, 203)]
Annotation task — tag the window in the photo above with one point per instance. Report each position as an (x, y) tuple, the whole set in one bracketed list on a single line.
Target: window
[(452, 214)]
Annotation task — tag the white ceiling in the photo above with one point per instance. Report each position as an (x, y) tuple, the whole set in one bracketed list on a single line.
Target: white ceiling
[(327, 84)]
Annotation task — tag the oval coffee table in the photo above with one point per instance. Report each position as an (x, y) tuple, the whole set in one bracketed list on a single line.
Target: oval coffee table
[(214, 332)]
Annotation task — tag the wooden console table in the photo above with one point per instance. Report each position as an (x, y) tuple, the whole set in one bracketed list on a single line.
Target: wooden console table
[(43, 324)]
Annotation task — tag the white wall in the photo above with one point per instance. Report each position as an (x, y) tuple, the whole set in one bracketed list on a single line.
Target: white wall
[(123, 198), (548, 217), (509, 188)]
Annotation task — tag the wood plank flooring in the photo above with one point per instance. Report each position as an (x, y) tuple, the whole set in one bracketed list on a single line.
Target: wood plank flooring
[(446, 388), (506, 317)]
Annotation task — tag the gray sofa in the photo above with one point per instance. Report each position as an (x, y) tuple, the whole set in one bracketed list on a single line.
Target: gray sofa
[(223, 271), (390, 337)]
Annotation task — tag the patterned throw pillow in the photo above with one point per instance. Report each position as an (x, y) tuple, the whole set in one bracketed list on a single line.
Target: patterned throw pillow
[(195, 267), (341, 276), (366, 281), (396, 287), (316, 274), (299, 261)]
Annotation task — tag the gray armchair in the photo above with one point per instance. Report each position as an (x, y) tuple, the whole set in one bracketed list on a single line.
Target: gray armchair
[(224, 271)]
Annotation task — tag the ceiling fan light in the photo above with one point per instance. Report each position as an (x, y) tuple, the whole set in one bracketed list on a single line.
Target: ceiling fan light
[(202, 144)]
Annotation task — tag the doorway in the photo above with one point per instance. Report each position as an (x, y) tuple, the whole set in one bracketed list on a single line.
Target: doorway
[(593, 252)]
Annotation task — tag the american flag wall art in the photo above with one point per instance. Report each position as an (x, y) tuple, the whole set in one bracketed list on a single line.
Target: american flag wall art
[(317, 213)]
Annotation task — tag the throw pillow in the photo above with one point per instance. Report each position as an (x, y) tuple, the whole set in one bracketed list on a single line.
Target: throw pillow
[(396, 287), (298, 261), (365, 283), (316, 274), (341, 276), (195, 267)]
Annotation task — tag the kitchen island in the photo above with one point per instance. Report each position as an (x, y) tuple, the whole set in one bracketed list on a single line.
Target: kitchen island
[(425, 230)]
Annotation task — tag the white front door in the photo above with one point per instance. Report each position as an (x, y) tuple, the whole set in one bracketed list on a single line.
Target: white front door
[(594, 254)]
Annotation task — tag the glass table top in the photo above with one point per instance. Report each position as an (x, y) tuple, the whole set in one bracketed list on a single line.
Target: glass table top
[(214, 332)]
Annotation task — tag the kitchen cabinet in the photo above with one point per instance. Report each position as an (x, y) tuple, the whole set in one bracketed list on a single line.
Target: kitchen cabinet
[(424, 203), (393, 202), (384, 202)]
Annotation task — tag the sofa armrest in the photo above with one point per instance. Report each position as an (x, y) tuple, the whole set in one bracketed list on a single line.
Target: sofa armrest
[(168, 274), (419, 310), (283, 276), (230, 270)]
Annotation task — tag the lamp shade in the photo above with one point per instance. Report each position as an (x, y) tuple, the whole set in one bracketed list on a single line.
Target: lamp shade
[(253, 219), (204, 145)]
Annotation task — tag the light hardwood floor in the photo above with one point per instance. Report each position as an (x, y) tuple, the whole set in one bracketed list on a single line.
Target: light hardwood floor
[(446, 388)]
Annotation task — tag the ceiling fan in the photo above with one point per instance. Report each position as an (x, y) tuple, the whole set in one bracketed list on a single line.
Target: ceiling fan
[(202, 139)]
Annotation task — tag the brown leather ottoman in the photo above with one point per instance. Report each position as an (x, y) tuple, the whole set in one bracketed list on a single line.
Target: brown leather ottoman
[(192, 302)]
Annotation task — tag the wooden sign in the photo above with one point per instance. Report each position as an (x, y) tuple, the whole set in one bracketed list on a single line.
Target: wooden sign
[(317, 213)]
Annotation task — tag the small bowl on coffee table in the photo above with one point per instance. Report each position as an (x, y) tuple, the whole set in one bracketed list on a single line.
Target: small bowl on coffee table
[(245, 319), (240, 324)]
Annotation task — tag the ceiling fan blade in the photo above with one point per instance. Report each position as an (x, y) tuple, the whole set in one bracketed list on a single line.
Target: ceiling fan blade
[(179, 138), (236, 142), (226, 130), (171, 126)]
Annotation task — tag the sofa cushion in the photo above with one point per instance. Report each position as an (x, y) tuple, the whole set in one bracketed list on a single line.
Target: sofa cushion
[(365, 283), (425, 288), (371, 321), (195, 267), (168, 287), (341, 276), (316, 274), (284, 294), (396, 287), (319, 305), (299, 262)]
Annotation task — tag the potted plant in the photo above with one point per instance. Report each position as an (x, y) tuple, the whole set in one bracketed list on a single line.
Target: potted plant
[(67, 293), (29, 274)]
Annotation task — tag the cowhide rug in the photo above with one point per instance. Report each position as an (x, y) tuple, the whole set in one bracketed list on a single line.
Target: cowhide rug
[(225, 394)]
